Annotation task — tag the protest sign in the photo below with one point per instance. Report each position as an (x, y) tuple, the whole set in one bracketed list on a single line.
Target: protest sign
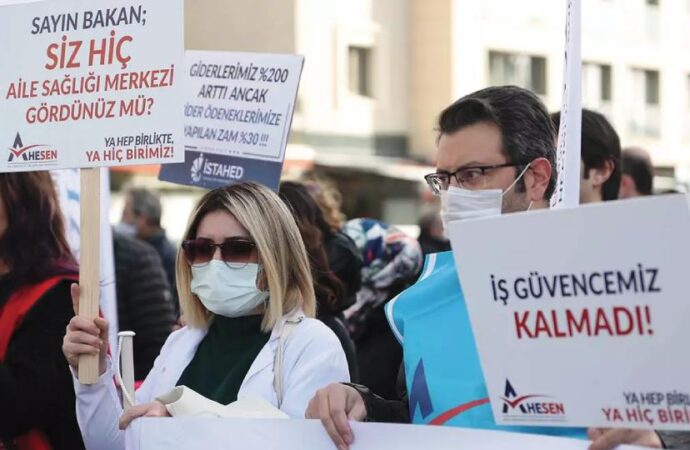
[(237, 118), (204, 433), (87, 86), (575, 321), (567, 194)]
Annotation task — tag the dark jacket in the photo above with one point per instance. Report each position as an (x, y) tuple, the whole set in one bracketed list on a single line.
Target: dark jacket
[(35, 381), (144, 302), (345, 261), (168, 255), (398, 411)]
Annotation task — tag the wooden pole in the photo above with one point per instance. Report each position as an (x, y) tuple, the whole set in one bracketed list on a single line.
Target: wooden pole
[(89, 262)]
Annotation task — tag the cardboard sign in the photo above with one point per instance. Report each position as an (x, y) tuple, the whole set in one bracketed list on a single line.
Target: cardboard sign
[(86, 84), (577, 313), (567, 193), (237, 118), (204, 433)]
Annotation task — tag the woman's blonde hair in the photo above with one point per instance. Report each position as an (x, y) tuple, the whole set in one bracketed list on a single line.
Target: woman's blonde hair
[(282, 255)]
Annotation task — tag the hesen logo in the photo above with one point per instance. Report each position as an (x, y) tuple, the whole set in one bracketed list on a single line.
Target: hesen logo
[(214, 171), (520, 407), (197, 166), (31, 153)]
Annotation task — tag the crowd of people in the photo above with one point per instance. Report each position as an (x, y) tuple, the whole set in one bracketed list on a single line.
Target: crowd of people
[(276, 296)]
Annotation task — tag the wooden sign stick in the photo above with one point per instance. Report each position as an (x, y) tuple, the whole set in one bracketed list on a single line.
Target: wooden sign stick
[(89, 264)]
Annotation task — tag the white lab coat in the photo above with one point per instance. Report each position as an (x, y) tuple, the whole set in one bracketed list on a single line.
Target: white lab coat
[(313, 358)]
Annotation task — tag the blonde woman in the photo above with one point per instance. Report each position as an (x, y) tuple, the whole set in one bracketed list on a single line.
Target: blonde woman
[(244, 283)]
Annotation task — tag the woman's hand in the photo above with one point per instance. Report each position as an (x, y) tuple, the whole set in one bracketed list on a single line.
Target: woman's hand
[(84, 336), (153, 409)]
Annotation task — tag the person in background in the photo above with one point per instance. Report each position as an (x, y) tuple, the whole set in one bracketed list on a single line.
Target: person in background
[(392, 262), (600, 168), (248, 298), (144, 301), (638, 173), (344, 258), (36, 269), (141, 216), (330, 201), (331, 297), (431, 235)]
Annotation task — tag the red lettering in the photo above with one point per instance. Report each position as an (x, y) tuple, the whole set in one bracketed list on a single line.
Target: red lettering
[(541, 326), (578, 327), (663, 417), (619, 311), (556, 332), (521, 324), (602, 323), (678, 416)]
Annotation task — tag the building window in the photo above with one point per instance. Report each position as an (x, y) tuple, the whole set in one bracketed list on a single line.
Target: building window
[(596, 84), (651, 90), (522, 70), (645, 102), (606, 87), (359, 67)]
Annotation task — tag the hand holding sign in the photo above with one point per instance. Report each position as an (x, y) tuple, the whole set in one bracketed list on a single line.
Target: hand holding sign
[(85, 336)]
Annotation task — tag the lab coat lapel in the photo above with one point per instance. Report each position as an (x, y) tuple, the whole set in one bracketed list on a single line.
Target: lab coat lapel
[(266, 356)]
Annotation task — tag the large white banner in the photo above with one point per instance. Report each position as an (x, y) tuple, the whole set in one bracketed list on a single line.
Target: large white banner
[(271, 434), (567, 193), (89, 84), (580, 320)]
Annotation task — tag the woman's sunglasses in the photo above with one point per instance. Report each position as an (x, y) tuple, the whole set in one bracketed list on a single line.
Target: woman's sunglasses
[(233, 251)]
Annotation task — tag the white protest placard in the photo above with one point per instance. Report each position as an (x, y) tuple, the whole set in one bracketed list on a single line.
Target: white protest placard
[(237, 117), (567, 194), (89, 84), (578, 313), (84, 85)]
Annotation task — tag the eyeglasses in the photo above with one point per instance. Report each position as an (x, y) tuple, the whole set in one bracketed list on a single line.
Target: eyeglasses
[(236, 252), (468, 177)]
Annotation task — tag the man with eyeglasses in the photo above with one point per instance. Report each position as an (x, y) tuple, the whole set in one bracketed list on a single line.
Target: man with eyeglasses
[(496, 154)]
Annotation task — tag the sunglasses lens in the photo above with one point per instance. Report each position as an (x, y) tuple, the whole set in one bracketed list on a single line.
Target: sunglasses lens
[(198, 251), (237, 251)]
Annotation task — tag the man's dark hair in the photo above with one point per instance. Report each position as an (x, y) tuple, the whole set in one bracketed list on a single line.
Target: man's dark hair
[(526, 130), (637, 163), (146, 203), (600, 143)]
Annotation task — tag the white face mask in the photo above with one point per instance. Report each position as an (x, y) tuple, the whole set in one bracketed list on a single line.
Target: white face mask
[(226, 291), (126, 229), (460, 204)]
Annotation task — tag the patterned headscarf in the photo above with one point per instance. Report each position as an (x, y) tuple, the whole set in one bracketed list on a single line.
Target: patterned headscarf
[(390, 259)]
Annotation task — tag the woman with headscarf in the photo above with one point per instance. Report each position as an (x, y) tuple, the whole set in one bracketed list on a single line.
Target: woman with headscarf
[(392, 261)]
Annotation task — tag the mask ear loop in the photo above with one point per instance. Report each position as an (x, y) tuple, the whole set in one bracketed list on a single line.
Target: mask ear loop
[(512, 185)]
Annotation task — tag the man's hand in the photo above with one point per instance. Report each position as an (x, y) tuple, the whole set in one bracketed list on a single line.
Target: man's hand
[(608, 439), (334, 406)]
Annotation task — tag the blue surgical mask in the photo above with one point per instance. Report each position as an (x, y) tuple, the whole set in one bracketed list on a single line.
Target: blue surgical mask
[(227, 291)]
